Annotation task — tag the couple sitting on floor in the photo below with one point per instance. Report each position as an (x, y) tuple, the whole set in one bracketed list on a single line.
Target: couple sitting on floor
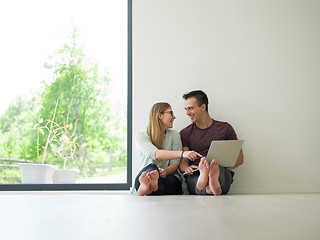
[(162, 151)]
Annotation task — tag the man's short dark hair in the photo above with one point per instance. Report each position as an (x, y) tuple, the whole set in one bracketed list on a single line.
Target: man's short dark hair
[(199, 95)]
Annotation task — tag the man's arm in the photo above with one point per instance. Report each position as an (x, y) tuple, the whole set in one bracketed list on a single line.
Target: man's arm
[(239, 160), (184, 164)]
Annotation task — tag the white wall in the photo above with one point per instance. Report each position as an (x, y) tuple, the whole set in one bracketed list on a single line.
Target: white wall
[(258, 62)]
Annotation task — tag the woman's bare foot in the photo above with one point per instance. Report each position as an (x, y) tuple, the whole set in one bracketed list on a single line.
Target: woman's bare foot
[(154, 180), (214, 172), (204, 172), (145, 181)]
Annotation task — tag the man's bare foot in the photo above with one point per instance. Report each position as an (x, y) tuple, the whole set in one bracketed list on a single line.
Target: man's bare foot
[(145, 181), (154, 180), (214, 172), (204, 172)]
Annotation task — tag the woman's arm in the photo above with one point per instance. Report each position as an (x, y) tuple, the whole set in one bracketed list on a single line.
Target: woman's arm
[(145, 146), (171, 169), (169, 155)]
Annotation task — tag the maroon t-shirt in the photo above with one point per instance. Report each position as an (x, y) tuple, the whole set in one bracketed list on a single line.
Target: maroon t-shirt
[(199, 140)]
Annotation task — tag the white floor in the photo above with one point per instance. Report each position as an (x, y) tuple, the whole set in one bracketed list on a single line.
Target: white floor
[(104, 216)]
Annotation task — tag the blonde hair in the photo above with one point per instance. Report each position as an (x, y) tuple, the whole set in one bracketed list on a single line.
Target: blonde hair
[(155, 124)]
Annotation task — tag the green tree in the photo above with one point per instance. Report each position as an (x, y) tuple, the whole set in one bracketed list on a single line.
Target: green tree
[(100, 122), (16, 138), (75, 77)]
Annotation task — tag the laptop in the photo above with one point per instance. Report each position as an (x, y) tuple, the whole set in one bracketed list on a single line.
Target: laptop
[(225, 152)]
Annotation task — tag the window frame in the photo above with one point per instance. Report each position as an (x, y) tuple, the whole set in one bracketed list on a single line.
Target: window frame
[(96, 186)]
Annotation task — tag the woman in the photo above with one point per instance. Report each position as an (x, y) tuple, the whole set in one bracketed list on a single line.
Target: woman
[(160, 154)]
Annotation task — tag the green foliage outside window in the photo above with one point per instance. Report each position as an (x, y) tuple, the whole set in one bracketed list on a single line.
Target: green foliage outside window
[(101, 124)]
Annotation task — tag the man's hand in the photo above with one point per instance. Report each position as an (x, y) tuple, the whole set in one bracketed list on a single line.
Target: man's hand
[(163, 173), (190, 169)]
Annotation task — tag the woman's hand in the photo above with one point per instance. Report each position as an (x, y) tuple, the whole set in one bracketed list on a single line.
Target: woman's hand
[(190, 169), (191, 155), (163, 173)]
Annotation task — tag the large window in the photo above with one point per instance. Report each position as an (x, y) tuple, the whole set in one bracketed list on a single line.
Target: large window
[(65, 93)]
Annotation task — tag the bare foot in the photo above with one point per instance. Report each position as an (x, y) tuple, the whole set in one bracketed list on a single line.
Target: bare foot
[(214, 172), (204, 172), (145, 181), (154, 180)]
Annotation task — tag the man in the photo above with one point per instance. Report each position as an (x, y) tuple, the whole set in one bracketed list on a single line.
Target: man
[(210, 179)]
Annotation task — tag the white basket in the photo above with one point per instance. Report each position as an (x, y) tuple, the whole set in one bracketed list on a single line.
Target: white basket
[(36, 173), (65, 175)]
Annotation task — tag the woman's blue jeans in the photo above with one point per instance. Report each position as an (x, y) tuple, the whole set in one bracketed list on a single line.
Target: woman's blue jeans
[(170, 185)]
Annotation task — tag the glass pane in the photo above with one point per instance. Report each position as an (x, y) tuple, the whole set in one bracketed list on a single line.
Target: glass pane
[(63, 91)]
